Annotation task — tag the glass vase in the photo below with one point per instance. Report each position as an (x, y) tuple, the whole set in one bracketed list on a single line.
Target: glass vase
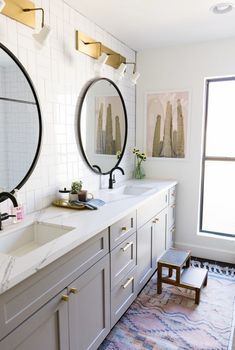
[(138, 172)]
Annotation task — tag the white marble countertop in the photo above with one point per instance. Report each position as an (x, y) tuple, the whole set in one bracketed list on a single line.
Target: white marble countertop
[(84, 225)]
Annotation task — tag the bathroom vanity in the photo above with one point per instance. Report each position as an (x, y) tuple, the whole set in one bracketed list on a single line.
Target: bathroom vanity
[(67, 293)]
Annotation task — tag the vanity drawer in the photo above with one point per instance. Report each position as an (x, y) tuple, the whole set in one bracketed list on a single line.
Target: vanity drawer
[(123, 295), (172, 195), (122, 229), (21, 301), (171, 215), (123, 259), (153, 207)]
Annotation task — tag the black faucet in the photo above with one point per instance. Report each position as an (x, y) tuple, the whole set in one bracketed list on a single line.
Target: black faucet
[(3, 197), (112, 176)]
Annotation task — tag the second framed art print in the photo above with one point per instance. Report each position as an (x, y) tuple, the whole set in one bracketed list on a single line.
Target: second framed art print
[(167, 117)]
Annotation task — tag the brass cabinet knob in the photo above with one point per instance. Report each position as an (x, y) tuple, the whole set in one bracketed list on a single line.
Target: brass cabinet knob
[(65, 297), (173, 206), (73, 290), (124, 228)]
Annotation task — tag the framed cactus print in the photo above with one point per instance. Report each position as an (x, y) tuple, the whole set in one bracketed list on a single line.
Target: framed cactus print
[(167, 124)]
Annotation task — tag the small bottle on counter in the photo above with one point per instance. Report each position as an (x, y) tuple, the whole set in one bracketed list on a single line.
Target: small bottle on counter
[(19, 210)]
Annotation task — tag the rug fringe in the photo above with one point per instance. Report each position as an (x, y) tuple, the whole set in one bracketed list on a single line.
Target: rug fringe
[(223, 270)]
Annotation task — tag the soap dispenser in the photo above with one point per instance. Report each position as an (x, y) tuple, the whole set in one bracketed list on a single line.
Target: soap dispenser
[(19, 210)]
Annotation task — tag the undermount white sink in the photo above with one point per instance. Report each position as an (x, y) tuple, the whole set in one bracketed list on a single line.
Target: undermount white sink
[(124, 192), (28, 238), (131, 190)]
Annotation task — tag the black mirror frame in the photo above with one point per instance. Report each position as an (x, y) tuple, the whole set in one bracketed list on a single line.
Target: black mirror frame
[(94, 167), (35, 159)]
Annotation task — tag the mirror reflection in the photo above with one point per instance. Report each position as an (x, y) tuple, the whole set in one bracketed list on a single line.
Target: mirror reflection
[(20, 123), (102, 125)]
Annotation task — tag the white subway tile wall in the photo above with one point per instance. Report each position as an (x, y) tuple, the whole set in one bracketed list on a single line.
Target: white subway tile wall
[(59, 73)]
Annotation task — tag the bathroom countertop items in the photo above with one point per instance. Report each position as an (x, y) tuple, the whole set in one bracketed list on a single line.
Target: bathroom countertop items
[(71, 227)]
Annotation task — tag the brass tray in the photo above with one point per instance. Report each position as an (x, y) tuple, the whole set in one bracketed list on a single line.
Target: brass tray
[(66, 204)]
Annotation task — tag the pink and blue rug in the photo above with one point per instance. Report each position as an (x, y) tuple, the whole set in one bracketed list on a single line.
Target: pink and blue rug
[(172, 321)]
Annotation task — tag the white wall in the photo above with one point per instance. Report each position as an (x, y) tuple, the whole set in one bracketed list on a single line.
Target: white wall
[(59, 74), (185, 68)]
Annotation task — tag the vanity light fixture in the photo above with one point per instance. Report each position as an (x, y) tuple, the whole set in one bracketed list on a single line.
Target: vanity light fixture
[(42, 36), (222, 8), (95, 49), (2, 5)]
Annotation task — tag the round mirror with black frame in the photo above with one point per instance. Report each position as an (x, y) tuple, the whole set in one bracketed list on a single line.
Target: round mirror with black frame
[(102, 125), (20, 123)]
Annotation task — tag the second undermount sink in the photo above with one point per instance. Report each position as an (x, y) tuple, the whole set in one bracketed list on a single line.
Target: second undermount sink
[(28, 238), (124, 192), (132, 190)]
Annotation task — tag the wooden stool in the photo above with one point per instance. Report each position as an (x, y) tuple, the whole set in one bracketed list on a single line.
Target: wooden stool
[(185, 276)]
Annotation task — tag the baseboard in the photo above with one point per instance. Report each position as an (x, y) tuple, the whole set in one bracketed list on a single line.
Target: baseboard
[(208, 253)]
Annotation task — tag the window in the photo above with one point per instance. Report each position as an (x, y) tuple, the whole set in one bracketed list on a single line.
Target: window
[(217, 212)]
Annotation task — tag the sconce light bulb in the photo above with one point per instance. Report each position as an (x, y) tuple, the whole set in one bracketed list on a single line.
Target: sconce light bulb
[(2, 5), (42, 36), (100, 62), (135, 77), (121, 71)]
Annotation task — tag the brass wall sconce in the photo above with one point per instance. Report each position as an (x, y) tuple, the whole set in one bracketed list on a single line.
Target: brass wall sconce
[(95, 49), (45, 29), (14, 10)]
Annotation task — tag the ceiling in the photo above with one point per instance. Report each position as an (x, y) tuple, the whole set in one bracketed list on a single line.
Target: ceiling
[(144, 24)]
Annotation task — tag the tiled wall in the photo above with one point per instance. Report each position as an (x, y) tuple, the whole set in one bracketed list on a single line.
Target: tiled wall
[(59, 74), (18, 125)]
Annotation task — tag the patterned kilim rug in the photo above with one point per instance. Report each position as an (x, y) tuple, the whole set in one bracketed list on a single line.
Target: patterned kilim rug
[(172, 321)]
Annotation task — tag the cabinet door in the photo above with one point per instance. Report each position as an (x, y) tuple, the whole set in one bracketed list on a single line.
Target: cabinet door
[(46, 329), (159, 235), (145, 266), (89, 307)]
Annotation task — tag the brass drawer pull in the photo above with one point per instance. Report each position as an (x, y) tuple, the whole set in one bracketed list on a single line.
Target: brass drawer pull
[(124, 228), (127, 246), (124, 286), (173, 206), (65, 297), (73, 290)]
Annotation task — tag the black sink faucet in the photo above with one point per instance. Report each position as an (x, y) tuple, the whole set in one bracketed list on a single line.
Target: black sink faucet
[(112, 176), (4, 196)]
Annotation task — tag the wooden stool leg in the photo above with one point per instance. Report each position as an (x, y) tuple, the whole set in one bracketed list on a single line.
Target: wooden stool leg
[(205, 282), (170, 272), (197, 296), (159, 279), (188, 262)]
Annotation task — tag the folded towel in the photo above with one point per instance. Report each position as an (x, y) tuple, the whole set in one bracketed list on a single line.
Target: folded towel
[(90, 204)]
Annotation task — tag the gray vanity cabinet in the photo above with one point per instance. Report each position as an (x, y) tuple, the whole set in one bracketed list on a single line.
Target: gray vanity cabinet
[(151, 237), (46, 329), (89, 307)]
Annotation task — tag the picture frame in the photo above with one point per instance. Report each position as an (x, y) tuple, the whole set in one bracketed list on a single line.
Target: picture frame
[(167, 121)]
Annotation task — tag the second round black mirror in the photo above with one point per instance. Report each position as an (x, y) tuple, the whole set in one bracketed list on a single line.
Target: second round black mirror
[(102, 125)]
